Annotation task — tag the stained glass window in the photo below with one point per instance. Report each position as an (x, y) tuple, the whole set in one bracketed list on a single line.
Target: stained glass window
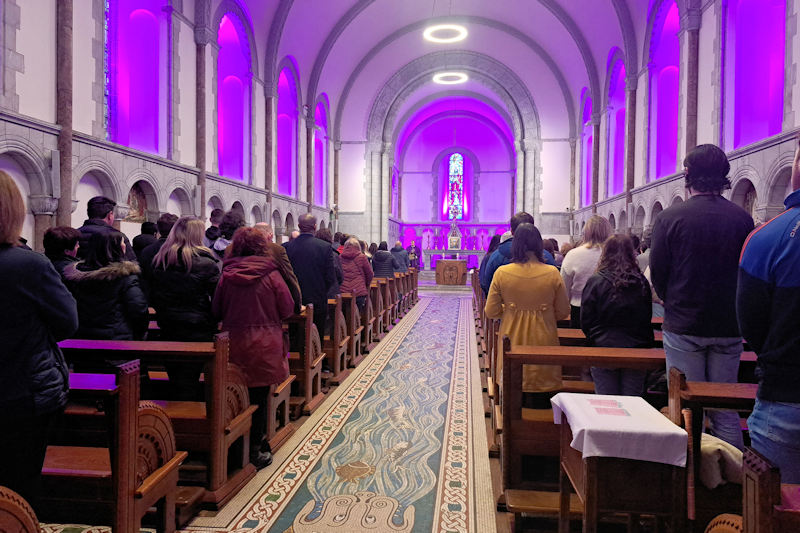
[(455, 191)]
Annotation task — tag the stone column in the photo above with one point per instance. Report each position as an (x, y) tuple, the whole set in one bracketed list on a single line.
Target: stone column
[(386, 185), (43, 209), (529, 151), (630, 136), (573, 179), (519, 195), (337, 150), (202, 36), (691, 25), (595, 161), (271, 102), (310, 161), (63, 113), (373, 189)]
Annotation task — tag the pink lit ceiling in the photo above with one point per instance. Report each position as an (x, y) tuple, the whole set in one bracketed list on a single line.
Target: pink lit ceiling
[(350, 49)]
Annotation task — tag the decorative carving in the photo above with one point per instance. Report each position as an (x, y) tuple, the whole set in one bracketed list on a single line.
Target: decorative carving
[(237, 398), (155, 444), (364, 511), (42, 205)]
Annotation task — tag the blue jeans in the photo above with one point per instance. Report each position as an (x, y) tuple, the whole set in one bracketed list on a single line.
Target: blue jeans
[(619, 381), (775, 433), (709, 359)]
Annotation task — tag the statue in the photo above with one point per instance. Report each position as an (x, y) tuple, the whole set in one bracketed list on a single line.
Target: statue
[(454, 237)]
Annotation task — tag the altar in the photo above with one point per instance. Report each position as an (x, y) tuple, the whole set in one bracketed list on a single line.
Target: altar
[(427, 255)]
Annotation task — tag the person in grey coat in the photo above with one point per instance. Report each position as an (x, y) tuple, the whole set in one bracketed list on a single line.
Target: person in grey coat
[(401, 255)]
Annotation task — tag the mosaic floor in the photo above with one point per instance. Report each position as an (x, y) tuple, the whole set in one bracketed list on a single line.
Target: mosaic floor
[(400, 446)]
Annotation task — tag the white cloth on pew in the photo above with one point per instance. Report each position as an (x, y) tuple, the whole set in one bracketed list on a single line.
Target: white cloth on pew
[(620, 426)]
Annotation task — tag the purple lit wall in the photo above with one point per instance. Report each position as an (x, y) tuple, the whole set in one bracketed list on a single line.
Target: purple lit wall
[(664, 91), (444, 184), (756, 34), (233, 100), (320, 159), (616, 131), (287, 133), (588, 141), (134, 65)]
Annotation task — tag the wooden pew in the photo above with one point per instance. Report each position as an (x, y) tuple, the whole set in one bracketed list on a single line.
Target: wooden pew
[(355, 328), (211, 427), (414, 285), (305, 362), (16, 515), (336, 344), (768, 505), (379, 310), (390, 301), (369, 322), (119, 476), (576, 337)]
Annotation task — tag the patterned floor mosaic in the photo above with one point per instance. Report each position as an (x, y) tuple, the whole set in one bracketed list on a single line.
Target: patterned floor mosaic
[(400, 446)]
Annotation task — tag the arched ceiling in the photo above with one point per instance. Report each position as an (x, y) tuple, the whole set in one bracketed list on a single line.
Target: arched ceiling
[(350, 50)]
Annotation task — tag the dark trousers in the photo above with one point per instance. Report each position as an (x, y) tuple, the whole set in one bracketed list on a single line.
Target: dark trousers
[(361, 301), (23, 442), (574, 317), (321, 320), (258, 431)]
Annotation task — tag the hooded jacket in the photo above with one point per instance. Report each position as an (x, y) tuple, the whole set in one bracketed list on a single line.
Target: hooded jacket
[(617, 317), (252, 300), (37, 311), (357, 272), (384, 264), (111, 304), (182, 300), (401, 256)]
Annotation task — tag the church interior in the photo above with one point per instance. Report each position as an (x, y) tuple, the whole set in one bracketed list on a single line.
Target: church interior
[(425, 123)]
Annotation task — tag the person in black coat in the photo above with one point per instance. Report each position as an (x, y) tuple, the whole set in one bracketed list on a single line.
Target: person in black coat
[(325, 235), (616, 310), (61, 247), (144, 239), (100, 211), (384, 264), (164, 225), (111, 304), (37, 311), (312, 261)]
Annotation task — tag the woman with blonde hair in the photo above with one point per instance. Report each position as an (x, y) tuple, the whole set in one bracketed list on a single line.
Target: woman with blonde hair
[(581, 262), (37, 311)]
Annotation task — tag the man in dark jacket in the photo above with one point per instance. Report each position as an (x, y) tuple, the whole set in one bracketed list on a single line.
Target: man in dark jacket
[(502, 256), (100, 211), (61, 247), (693, 264), (213, 232), (312, 261), (768, 307), (144, 239), (401, 255)]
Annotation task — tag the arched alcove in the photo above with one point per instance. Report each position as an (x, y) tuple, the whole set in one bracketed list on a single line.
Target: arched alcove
[(612, 221), (616, 124), (587, 142), (623, 221), (287, 132), (676, 200), (744, 195), (638, 220), (179, 202), (237, 207), (142, 202), (289, 224), (656, 209), (255, 215), (664, 84), (11, 165), (321, 153), (213, 202), (91, 184), (781, 187), (234, 99)]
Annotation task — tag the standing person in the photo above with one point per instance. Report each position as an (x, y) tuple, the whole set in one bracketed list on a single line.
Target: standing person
[(61, 247), (146, 237), (278, 253), (312, 261), (502, 256), (616, 312), (365, 251), (37, 311), (100, 213), (494, 243), (164, 225), (768, 308), (373, 248), (694, 263), (413, 255), (529, 297), (357, 272), (401, 256), (558, 257), (325, 235), (111, 304), (581, 262), (384, 263), (231, 221), (643, 259), (213, 232), (252, 300)]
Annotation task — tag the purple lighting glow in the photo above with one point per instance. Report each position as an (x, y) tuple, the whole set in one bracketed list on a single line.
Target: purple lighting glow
[(320, 159), (233, 100), (287, 133), (664, 92), (586, 189), (616, 131)]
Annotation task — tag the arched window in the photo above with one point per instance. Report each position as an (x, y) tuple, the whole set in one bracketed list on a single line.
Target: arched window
[(321, 155), (233, 99), (137, 74), (664, 91), (755, 47), (587, 141), (455, 187), (616, 130), (287, 134)]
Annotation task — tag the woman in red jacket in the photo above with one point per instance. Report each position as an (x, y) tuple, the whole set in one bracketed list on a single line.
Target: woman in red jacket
[(252, 300), (356, 272)]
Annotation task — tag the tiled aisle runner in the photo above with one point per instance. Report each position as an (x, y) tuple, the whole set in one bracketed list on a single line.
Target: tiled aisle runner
[(397, 447)]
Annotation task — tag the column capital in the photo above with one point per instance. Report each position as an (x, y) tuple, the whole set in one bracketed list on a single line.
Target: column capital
[(691, 20), (204, 35), (42, 205), (337, 145)]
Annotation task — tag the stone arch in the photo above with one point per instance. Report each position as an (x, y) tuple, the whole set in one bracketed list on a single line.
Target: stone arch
[(778, 185), (153, 206), (657, 208), (241, 19), (105, 175), (273, 43), (743, 194), (623, 220), (27, 156), (289, 224), (654, 13), (289, 63), (180, 196), (677, 199), (215, 202), (238, 208), (639, 219), (277, 224), (256, 214), (612, 221)]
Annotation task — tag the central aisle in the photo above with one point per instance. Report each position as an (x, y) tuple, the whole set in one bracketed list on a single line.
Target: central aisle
[(399, 446)]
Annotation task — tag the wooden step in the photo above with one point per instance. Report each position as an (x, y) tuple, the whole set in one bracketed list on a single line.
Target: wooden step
[(77, 461)]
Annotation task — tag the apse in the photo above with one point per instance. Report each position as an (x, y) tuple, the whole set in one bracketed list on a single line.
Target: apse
[(287, 133), (664, 91), (755, 49), (233, 99), (616, 129), (135, 60)]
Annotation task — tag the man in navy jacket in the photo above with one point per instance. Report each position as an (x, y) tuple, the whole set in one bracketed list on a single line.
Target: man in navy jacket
[(768, 307)]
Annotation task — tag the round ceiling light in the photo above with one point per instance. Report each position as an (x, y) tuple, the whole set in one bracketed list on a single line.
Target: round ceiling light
[(445, 33), (450, 78)]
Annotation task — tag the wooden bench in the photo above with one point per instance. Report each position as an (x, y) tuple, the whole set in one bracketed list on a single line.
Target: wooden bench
[(378, 309), (369, 322), (390, 301), (355, 329), (414, 285), (576, 337), (16, 515), (210, 428), (768, 505), (113, 476), (336, 344), (305, 362)]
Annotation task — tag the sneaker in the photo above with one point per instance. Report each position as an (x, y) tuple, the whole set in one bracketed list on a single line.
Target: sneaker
[(261, 459)]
